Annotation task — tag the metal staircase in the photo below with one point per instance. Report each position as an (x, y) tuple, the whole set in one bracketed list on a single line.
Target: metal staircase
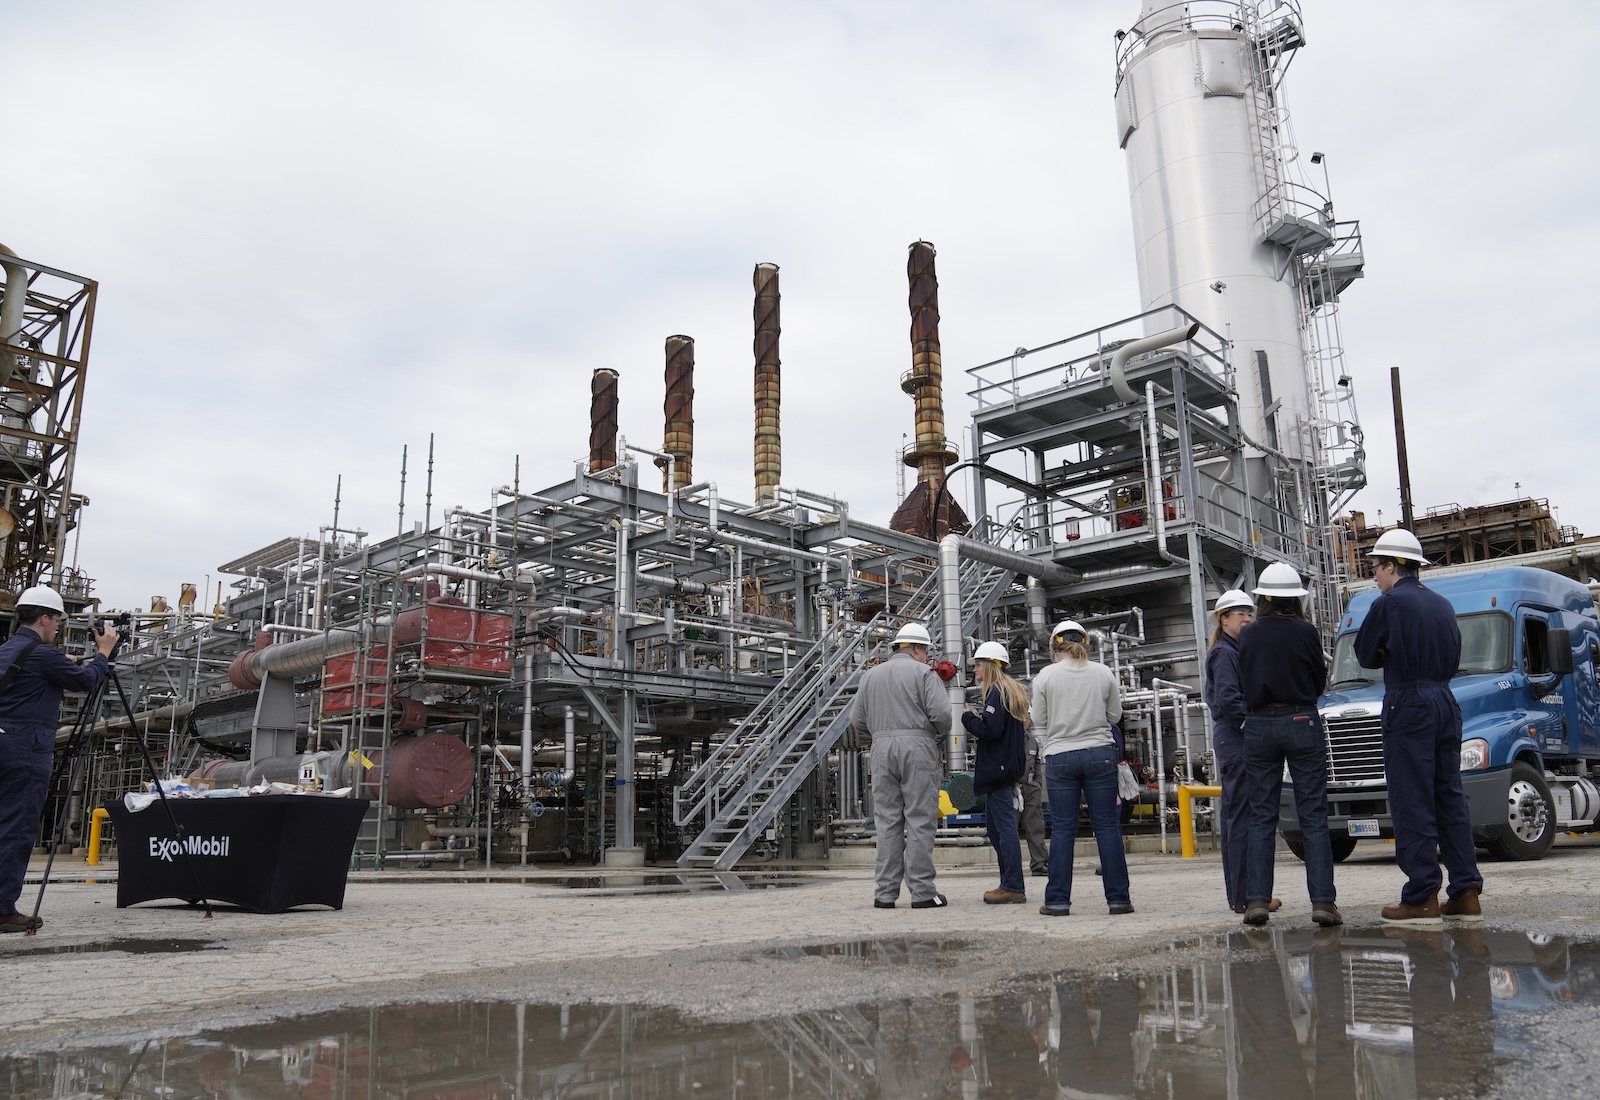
[(748, 779)]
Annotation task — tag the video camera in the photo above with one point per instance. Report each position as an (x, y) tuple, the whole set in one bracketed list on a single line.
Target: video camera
[(122, 622)]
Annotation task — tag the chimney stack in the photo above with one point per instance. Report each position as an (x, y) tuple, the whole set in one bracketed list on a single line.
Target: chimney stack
[(927, 511), (602, 420), (769, 442), (679, 409)]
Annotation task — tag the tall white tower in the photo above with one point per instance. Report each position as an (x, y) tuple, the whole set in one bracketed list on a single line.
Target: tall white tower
[(1225, 225)]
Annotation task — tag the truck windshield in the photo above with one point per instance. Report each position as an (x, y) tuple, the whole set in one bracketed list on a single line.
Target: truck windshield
[(1485, 647)]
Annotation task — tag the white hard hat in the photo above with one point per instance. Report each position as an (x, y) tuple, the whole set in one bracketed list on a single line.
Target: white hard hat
[(1232, 598), (913, 634), (40, 596), (1280, 579), (1068, 626), (1397, 542), (992, 651)]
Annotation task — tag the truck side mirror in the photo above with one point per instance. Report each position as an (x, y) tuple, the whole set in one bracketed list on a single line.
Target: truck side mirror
[(1558, 650)]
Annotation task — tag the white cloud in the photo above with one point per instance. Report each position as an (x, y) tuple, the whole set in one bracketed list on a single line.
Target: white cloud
[(323, 232)]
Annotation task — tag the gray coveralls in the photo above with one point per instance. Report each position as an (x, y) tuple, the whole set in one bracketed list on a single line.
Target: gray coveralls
[(903, 706)]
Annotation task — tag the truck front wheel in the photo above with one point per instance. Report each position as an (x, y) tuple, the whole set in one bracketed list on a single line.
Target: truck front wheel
[(1342, 847), (1530, 826)]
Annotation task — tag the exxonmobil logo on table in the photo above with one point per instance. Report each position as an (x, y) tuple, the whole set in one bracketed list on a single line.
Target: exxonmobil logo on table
[(193, 845)]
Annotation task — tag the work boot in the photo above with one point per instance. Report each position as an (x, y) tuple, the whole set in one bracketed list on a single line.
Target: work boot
[(1041, 870), (1326, 914), (1463, 907), (19, 922), (1272, 906), (1003, 896), (1425, 915), (1257, 912), (1055, 910)]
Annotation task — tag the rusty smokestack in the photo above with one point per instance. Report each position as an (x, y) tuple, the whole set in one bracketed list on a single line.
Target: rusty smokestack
[(769, 441), (679, 409), (927, 511), (602, 420)]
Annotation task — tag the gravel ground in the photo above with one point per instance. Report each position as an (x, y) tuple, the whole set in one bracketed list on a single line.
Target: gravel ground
[(713, 954)]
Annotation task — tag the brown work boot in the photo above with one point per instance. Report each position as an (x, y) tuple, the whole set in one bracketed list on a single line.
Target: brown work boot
[(20, 922), (1425, 915), (1326, 914), (1463, 907), (1004, 897)]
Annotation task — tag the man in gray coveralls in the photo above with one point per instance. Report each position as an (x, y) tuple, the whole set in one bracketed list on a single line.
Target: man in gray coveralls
[(902, 704)]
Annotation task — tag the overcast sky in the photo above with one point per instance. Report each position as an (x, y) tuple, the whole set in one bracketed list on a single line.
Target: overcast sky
[(323, 231)]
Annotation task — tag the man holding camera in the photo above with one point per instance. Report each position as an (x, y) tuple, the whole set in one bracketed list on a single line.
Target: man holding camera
[(33, 677)]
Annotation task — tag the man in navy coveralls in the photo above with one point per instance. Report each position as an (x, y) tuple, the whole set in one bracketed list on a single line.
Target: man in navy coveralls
[(1411, 634)]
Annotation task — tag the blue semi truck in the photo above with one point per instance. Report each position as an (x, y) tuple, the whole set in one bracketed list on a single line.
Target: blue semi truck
[(1529, 689)]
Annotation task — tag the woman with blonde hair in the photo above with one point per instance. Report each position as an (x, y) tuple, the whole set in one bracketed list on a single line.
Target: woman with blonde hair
[(1000, 731), (1076, 701)]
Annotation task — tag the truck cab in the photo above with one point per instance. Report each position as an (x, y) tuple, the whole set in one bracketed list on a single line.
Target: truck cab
[(1529, 691)]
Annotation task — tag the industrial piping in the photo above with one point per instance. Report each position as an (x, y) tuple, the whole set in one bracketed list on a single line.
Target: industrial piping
[(1154, 501), (953, 644), (768, 384)]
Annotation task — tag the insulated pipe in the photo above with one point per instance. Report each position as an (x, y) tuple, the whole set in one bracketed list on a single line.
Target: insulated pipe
[(1154, 502), (1026, 564), (438, 569), (1119, 358), (678, 408), (602, 420), (768, 384), (1038, 620), (305, 657), (527, 725), (569, 763), (12, 308), (950, 625)]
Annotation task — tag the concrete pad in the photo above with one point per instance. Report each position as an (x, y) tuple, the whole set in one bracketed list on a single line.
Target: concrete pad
[(693, 944)]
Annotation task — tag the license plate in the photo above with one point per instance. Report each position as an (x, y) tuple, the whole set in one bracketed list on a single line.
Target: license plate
[(1363, 828)]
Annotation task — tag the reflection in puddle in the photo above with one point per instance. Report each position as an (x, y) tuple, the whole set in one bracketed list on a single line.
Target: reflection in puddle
[(1372, 1014), (930, 953), (128, 945), (671, 883)]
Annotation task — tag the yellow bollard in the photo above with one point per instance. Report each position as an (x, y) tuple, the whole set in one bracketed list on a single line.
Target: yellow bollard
[(1187, 793), (96, 820)]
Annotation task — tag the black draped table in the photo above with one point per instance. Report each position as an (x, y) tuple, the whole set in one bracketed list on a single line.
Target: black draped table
[(266, 853)]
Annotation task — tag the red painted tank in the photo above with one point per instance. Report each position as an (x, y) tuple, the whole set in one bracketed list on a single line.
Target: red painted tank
[(425, 772)]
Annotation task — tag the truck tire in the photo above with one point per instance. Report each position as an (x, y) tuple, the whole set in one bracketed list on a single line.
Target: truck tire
[(1342, 847), (1530, 826)]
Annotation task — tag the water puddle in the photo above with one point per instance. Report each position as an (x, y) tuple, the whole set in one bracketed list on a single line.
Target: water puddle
[(928, 954), (1363, 1013), (129, 946)]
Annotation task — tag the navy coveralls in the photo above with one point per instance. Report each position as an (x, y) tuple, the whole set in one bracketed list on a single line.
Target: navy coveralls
[(1411, 634), (28, 715), (1226, 699)]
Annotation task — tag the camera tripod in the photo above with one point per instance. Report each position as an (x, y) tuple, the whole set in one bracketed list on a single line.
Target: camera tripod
[(77, 754)]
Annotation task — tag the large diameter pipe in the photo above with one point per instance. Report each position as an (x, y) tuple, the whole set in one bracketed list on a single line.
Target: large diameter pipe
[(602, 420), (1027, 565), (12, 307), (302, 657), (679, 411), (1119, 358), (768, 388), (950, 627), (569, 760)]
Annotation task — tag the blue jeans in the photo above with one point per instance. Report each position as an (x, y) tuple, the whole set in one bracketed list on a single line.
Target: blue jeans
[(1000, 817), (1089, 774), (1271, 740)]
